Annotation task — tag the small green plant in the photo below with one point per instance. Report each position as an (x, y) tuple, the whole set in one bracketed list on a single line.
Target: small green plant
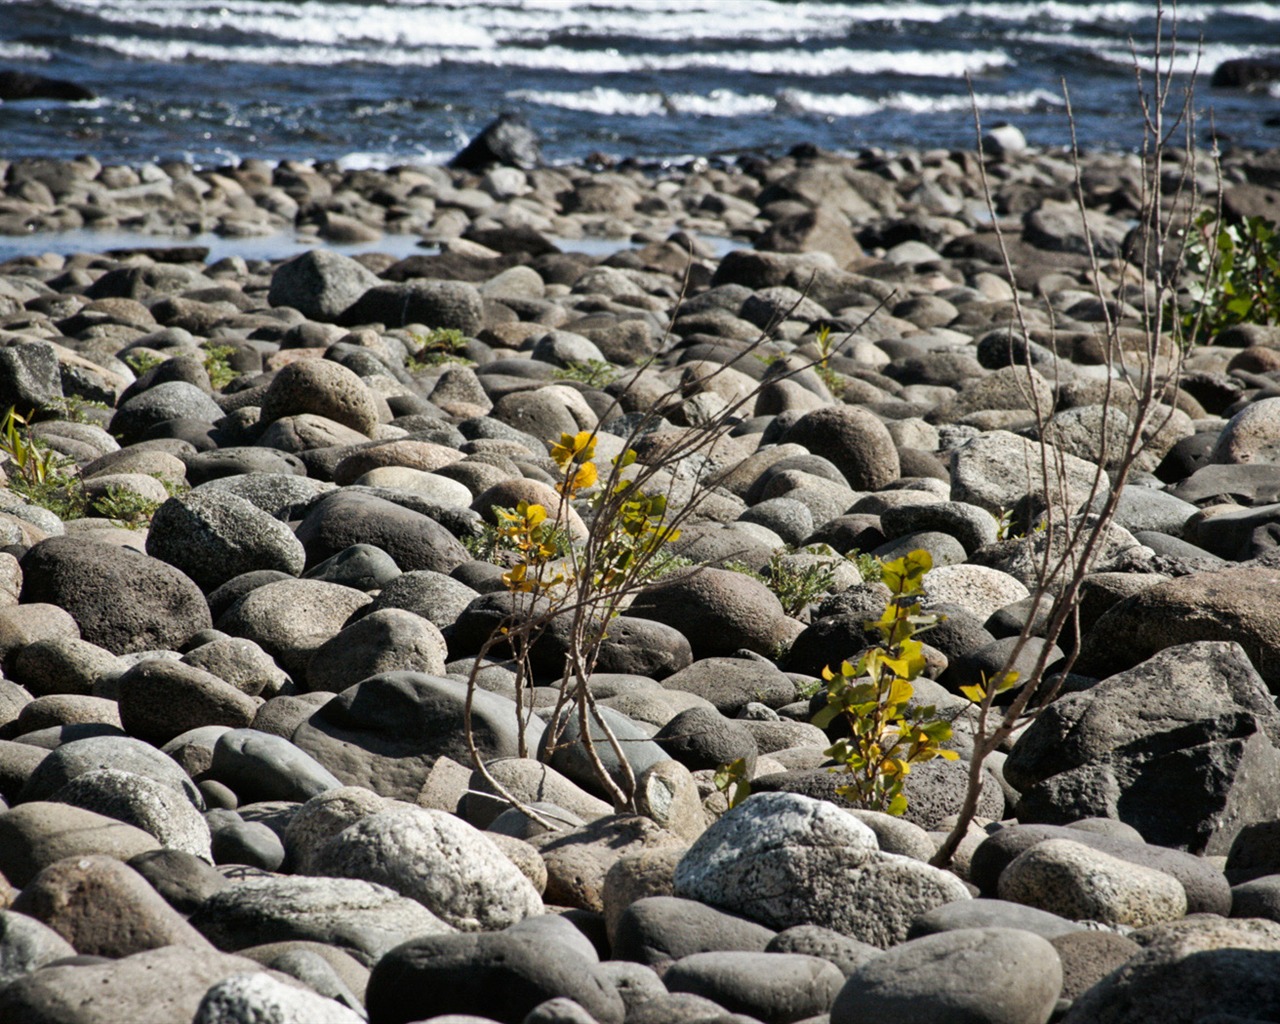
[(140, 361), (37, 473), (29, 460), (595, 373), (1234, 275), (173, 488), (497, 544), (75, 409), (797, 585), (870, 568), (805, 690), (217, 365), (1004, 526), (125, 508), (873, 695), (834, 381), (731, 780), (439, 347)]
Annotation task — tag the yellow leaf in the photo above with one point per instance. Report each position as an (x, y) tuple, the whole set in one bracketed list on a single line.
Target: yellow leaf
[(975, 693), (900, 692), (585, 477)]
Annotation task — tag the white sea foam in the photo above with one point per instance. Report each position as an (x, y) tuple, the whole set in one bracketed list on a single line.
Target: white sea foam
[(308, 23), (469, 24), (598, 100), (23, 51), (1187, 56), (792, 62), (727, 103), (846, 105), (381, 161), (178, 50)]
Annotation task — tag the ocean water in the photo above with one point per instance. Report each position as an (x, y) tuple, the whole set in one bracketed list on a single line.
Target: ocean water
[(377, 82)]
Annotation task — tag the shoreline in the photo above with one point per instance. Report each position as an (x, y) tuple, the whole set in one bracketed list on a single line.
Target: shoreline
[(281, 208), (239, 625)]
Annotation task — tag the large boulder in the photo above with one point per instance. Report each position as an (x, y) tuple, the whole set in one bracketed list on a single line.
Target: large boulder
[(507, 141), (719, 611), (320, 284), (121, 599), (1236, 603), (1181, 747), (320, 387), (361, 918), (153, 987), (854, 440), (431, 856), (1201, 969), (386, 732), (291, 619), (783, 859), (413, 540), (499, 976), (987, 975)]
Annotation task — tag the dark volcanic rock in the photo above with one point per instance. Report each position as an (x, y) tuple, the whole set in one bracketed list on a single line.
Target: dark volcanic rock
[(501, 975), (1181, 747), (386, 732), (122, 600), (507, 140), (413, 540), (22, 85)]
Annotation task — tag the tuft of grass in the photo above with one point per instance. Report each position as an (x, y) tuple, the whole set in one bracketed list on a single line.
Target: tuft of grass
[(439, 347), (75, 409), (595, 373), (140, 361), (217, 365), (125, 508)]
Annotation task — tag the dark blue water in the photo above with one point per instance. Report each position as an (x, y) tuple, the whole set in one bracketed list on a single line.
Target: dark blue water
[(385, 81)]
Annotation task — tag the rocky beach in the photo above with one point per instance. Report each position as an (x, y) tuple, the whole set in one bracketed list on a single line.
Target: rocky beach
[(249, 557)]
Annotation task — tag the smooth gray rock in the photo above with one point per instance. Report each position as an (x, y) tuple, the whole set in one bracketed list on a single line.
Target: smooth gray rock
[(123, 753), (1190, 971), (26, 945), (259, 997), (502, 975), (164, 984), (978, 975), (364, 919), (1206, 887), (785, 859), (988, 913), (292, 619), (160, 699), (659, 930), (774, 987), (122, 600), (260, 766), (383, 641), (386, 732), (320, 284), (1082, 883), (814, 940)]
